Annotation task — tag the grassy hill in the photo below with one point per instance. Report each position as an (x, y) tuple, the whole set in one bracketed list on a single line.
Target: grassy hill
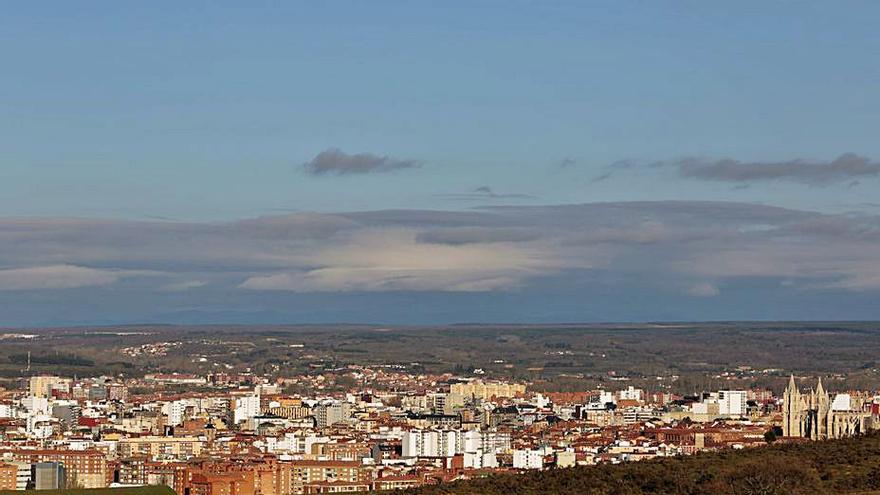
[(141, 490), (850, 466)]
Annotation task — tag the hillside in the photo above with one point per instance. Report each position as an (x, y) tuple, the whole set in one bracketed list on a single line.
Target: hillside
[(830, 467)]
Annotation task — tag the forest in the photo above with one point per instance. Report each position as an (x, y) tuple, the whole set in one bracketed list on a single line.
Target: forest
[(847, 466)]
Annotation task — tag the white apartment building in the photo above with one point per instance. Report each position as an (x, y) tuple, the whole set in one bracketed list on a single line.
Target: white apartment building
[(630, 393), (447, 443), (732, 402), (176, 411), (528, 459), (246, 408)]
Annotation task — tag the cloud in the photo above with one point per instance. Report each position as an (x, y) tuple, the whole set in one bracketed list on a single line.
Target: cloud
[(845, 168), (612, 169), (861, 278), (334, 161), (490, 248), (645, 233), (476, 235), (602, 177), (183, 286), (704, 289), (56, 277), (393, 260), (485, 193), (367, 280)]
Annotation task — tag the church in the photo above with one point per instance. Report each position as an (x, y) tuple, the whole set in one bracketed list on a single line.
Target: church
[(817, 417)]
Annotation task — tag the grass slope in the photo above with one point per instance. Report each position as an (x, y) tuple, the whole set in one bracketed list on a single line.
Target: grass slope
[(849, 466)]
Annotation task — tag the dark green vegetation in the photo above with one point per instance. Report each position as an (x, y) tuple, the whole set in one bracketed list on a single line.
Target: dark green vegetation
[(53, 359), (685, 357), (141, 490), (831, 467)]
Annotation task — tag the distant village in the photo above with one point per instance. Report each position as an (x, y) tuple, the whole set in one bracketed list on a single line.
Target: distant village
[(242, 434)]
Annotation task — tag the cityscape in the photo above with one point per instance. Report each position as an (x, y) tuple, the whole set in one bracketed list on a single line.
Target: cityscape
[(371, 426), (458, 247)]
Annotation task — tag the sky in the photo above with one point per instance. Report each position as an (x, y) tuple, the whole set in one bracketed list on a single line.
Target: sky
[(438, 162)]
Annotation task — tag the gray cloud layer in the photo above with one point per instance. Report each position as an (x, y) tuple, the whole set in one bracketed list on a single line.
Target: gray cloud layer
[(56, 277), (336, 162), (847, 167), (695, 248)]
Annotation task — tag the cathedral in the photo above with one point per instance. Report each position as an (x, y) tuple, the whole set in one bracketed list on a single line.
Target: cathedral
[(817, 417)]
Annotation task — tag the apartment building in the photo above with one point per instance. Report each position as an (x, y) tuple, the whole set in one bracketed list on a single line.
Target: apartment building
[(83, 468)]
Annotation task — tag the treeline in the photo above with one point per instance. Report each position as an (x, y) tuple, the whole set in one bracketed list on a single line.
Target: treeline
[(57, 359), (829, 467)]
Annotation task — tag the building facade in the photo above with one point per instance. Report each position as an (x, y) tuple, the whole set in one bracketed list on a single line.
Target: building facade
[(817, 417)]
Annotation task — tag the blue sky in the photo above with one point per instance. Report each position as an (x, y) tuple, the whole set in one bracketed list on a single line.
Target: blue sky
[(176, 118)]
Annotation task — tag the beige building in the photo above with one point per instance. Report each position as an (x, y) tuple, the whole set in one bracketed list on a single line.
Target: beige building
[(8, 476), (484, 390), (293, 476), (42, 385), (159, 447)]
